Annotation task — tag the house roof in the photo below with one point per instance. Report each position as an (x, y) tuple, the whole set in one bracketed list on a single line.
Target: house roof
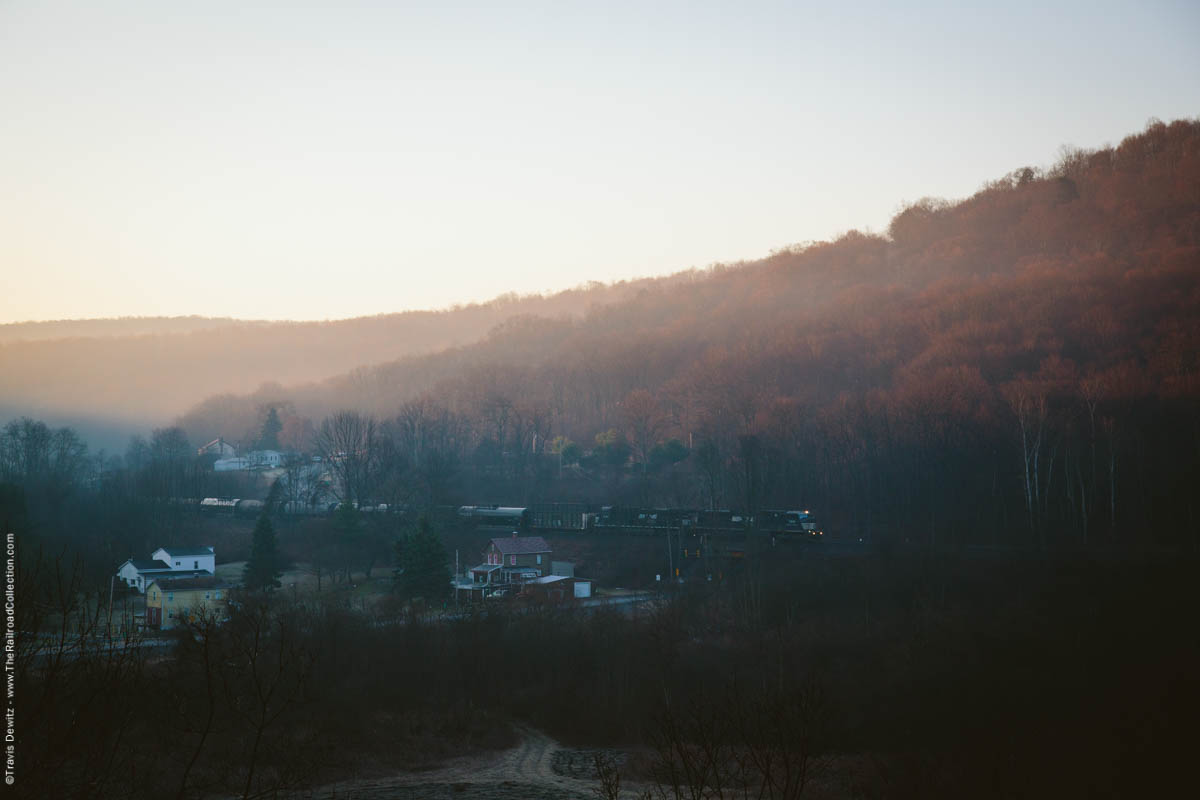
[(175, 575), (180, 584), (187, 552), (521, 545), (146, 565)]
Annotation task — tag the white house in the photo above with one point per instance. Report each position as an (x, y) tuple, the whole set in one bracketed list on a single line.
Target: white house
[(137, 574), (259, 459), (168, 564), (218, 447), (266, 459), (187, 558)]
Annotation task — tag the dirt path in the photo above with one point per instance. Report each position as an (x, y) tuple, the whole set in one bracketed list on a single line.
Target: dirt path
[(538, 768)]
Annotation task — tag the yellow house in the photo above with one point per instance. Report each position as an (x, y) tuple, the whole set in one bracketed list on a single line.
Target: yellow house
[(170, 603)]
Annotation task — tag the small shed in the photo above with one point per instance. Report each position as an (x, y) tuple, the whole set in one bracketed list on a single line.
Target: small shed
[(548, 589)]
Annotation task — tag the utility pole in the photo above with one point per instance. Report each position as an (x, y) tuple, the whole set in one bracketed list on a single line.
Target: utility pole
[(670, 557)]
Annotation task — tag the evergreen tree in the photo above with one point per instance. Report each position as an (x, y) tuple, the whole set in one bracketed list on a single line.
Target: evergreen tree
[(421, 565), (265, 566), (269, 438), (346, 522), (347, 538)]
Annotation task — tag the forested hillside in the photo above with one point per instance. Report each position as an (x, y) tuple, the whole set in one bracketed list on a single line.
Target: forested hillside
[(146, 370), (1020, 366)]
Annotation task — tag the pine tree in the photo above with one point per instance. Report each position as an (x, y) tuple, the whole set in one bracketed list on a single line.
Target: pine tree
[(269, 438), (421, 563), (348, 537), (265, 566)]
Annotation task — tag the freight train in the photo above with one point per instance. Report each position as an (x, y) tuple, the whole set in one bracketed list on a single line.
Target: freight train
[(240, 507), (543, 517), (583, 517)]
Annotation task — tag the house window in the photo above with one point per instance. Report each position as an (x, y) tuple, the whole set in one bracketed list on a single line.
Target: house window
[(512, 561), (154, 595), (177, 563), (195, 565), (218, 595), (206, 597), (170, 613), (170, 597), (539, 558)]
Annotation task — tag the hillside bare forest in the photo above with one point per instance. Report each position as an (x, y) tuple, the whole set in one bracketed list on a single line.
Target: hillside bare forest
[(1019, 367), (993, 410)]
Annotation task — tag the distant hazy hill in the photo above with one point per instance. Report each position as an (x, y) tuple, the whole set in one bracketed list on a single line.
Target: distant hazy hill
[(145, 371), (122, 326)]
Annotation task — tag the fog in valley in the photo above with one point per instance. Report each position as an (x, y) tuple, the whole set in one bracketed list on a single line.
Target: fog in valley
[(118, 377)]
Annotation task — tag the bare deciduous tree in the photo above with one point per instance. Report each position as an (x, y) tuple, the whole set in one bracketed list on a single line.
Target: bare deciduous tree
[(348, 443)]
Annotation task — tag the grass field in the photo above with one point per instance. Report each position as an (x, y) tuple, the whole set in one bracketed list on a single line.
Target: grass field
[(305, 580)]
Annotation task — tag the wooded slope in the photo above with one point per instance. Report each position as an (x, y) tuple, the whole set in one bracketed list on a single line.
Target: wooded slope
[(1032, 348)]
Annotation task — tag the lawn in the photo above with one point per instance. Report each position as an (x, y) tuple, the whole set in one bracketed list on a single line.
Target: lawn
[(302, 577)]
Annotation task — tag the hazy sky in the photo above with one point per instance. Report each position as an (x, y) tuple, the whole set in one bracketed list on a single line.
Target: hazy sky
[(321, 160)]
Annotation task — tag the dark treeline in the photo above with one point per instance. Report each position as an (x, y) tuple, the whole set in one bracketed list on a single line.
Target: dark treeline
[(61, 497), (1019, 367), (880, 676)]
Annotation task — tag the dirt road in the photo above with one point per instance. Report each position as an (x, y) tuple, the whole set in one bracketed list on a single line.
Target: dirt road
[(538, 768)]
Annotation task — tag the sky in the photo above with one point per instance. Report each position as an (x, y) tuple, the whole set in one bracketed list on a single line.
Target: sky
[(326, 160)]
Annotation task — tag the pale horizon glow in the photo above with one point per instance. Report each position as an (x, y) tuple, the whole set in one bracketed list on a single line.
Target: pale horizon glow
[(323, 161)]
